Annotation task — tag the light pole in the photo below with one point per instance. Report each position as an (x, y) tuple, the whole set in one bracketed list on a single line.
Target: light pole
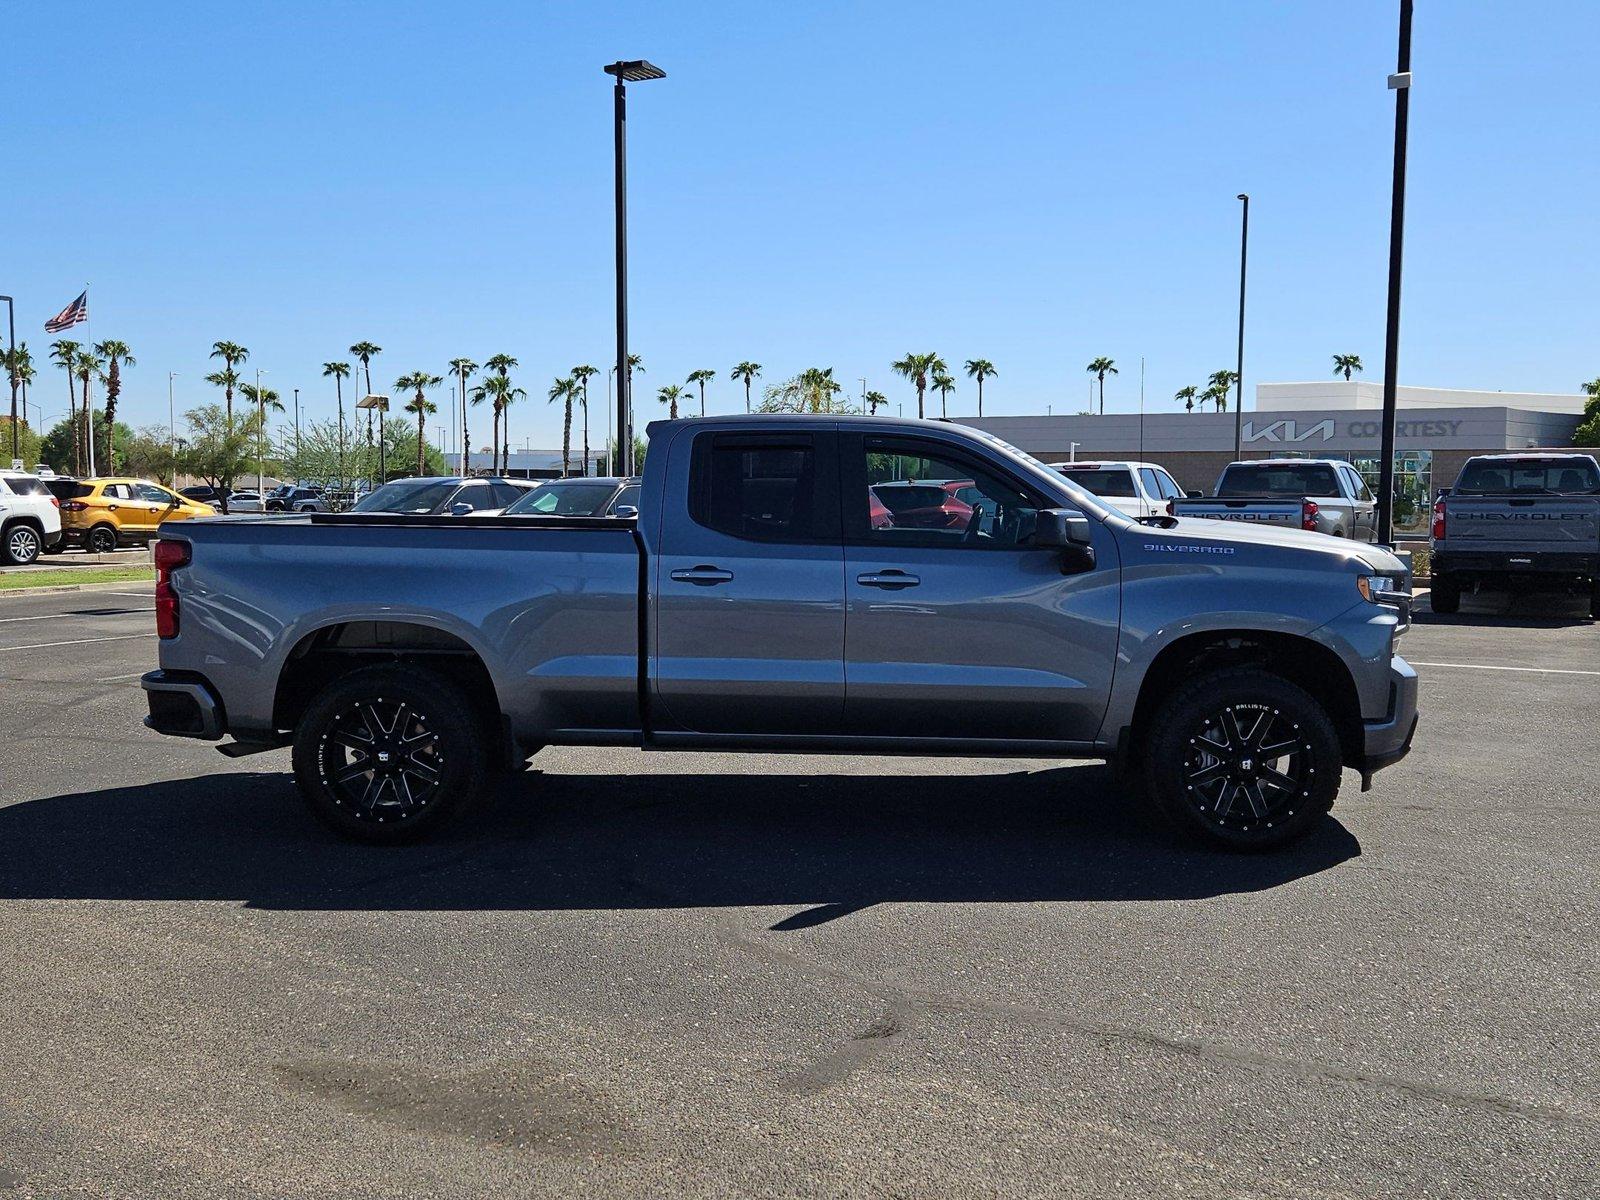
[(261, 450), (611, 455), (297, 429), (172, 428), (1400, 84), (11, 367), (1238, 398), (624, 71)]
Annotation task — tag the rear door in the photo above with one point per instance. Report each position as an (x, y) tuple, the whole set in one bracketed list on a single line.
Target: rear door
[(1364, 509), (969, 633), (749, 586), (119, 506)]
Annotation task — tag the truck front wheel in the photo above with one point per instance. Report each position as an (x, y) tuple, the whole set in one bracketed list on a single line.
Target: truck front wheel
[(387, 753), (1243, 759)]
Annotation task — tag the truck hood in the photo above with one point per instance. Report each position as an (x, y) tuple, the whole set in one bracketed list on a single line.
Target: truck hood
[(1198, 531)]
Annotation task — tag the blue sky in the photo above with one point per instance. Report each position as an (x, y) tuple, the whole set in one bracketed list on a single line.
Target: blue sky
[(820, 184)]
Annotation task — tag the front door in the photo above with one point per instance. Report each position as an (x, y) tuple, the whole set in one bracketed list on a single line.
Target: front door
[(749, 586), (960, 628)]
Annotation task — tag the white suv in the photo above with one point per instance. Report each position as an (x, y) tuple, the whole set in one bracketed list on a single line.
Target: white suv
[(30, 518), (1139, 489)]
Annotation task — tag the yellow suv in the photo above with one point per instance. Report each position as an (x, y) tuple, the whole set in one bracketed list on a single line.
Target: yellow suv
[(102, 514)]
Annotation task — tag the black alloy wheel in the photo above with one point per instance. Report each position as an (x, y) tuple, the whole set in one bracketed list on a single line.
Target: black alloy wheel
[(1243, 759), (102, 539)]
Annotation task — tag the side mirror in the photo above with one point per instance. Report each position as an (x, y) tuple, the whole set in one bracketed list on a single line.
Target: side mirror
[(1069, 532), (458, 509), (626, 511), (1194, 495)]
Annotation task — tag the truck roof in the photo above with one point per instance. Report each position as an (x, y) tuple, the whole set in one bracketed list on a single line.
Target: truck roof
[(1285, 462), (1524, 456)]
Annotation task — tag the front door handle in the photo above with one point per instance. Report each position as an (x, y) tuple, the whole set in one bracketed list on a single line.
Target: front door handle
[(891, 579), (702, 575)]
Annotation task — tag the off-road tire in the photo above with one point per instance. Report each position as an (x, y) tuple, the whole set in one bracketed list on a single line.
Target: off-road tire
[(1264, 800), (425, 741)]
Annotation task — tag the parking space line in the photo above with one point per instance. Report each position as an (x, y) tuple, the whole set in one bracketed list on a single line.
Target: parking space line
[(1485, 667), (60, 616), (128, 637)]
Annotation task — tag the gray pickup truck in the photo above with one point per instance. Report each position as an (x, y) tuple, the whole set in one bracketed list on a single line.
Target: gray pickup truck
[(1524, 521), (1322, 495), (765, 600)]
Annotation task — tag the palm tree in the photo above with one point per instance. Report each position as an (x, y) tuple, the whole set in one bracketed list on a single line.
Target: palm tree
[(980, 369), (817, 389), (365, 352), (339, 371), (1346, 365), (874, 400), (700, 377), (917, 368), (746, 371), (419, 382), (461, 368), (581, 375), (494, 389), (1221, 382), (565, 390), (231, 354), (1100, 368), (87, 366), (944, 385), (117, 356), (670, 395), (17, 361), (1187, 395), (635, 363), (64, 353)]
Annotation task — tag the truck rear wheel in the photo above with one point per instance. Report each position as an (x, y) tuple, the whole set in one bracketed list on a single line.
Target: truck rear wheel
[(386, 754), (1444, 595), (1243, 759)]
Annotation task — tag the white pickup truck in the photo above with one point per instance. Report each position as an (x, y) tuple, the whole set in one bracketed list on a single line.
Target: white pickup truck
[(1323, 495), (1139, 489)]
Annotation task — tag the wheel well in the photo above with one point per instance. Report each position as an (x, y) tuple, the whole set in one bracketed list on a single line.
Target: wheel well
[(1301, 661), (322, 656), (31, 522)]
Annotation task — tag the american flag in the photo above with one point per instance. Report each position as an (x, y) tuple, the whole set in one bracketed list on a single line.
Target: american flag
[(73, 314)]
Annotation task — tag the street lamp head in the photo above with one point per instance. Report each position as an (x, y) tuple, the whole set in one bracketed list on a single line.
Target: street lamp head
[(634, 71), (1241, 196)]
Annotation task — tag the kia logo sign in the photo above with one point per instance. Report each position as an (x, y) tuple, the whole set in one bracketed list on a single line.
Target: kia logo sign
[(1288, 431)]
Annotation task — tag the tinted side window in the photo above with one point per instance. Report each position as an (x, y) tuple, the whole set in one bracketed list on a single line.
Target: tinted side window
[(506, 494), (916, 494), (478, 495), (1169, 486), (1152, 485), (627, 496), (761, 492), (117, 491)]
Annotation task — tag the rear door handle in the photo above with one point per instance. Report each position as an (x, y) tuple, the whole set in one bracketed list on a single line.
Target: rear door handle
[(702, 575), (890, 579)]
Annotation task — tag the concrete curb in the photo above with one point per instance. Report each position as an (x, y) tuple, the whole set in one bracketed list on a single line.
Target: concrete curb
[(71, 587)]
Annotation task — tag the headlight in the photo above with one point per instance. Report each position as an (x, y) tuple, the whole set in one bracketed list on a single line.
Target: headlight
[(1375, 589)]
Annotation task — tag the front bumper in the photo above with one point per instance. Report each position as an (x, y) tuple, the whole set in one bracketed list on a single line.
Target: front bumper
[(1388, 740), (182, 704)]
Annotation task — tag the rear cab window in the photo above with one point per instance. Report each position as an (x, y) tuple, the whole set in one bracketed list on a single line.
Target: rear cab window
[(1537, 476), (1278, 480), (1113, 483)]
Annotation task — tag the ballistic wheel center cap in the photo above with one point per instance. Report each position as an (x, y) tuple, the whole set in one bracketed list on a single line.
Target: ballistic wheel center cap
[(1245, 764), (383, 756)]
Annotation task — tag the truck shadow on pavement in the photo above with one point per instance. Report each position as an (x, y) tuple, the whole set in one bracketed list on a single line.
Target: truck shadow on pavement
[(826, 844)]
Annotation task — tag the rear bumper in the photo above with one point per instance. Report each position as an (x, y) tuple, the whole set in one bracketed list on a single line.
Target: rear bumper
[(182, 704), (1386, 741), (52, 538), (1474, 563)]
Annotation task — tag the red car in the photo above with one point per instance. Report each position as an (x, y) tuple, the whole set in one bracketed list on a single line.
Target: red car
[(924, 505)]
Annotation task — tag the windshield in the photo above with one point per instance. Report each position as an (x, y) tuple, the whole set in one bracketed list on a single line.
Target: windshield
[(1101, 483), (1278, 479), (1551, 475), (563, 500), (410, 496)]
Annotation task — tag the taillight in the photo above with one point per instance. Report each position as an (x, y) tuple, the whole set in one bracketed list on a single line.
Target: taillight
[(1438, 519), (56, 500), (73, 506), (1172, 509), (1308, 515), (170, 555)]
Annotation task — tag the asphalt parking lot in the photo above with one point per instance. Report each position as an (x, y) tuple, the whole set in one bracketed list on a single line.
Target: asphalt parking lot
[(715, 975)]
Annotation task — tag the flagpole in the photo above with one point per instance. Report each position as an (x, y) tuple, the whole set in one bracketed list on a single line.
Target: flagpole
[(88, 403)]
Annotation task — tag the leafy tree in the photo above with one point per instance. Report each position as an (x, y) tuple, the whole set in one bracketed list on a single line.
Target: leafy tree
[(24, 442), (1186, 395), (219, 449), (1221, 383), (582, 376), (874, 401), (1346, 365), (231, 354), (746, 371), (117, 356), (670, 395), (1588, 431), (418, 383), (64, 353), (917, 368), (814, 390), (700, 379), (147, 453), (944, 384), (980, 369), (566, 391), (1100, 368)]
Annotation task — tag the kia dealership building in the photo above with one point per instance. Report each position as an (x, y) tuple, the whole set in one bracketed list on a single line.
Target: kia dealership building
[(1438, 429)]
